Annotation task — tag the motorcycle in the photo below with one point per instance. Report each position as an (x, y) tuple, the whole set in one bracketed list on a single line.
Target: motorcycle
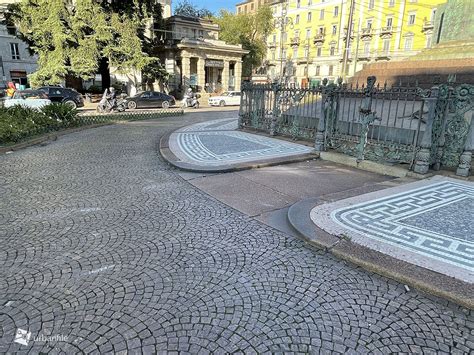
[(106, 105), (192, 102)]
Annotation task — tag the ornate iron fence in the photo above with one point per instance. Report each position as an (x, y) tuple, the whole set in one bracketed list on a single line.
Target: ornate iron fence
[(422, 128)]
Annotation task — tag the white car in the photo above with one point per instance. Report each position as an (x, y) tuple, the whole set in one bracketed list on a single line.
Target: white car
[(28, 98), (226, 99)]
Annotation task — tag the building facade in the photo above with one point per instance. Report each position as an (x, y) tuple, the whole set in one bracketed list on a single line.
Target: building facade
[(15, 60), (311, 44), (195, 57), (251, 6)]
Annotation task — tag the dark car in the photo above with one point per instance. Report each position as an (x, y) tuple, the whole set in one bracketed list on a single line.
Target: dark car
[(150, 99), (63, 95)]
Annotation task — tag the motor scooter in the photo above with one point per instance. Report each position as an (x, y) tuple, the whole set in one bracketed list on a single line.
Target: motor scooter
[(192, 102)]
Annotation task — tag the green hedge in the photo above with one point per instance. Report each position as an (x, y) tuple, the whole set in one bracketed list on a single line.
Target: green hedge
[(19, 123)]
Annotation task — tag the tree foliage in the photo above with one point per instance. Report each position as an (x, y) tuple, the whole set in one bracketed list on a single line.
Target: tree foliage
[(249, 30), (72, 37), (186, 8)]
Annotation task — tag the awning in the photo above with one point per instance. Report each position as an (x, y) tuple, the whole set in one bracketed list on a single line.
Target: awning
[(17, 74)]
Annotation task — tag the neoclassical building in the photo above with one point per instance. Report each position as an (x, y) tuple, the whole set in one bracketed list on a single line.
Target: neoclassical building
[(195, 57)]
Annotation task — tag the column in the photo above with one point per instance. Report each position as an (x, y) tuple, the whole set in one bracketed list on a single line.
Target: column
[(225, 76), (238, 74), (185, 71), (201, 79)]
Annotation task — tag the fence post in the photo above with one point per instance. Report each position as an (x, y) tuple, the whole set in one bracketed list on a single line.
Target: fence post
[(422, 162), (319, 140), (464, 166), (366, 117), (276, 108)]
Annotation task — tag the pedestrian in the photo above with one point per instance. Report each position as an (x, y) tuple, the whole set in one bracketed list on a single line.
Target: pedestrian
[(11, 90)]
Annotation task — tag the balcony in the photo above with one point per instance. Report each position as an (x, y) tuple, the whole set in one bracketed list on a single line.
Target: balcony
[(366, 33), (319, 38), (344, 35), (427, 25), (295, 41), (388, 30)]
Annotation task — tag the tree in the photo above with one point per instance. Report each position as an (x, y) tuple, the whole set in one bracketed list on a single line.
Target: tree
[(77, 38), (186, 8), (249, 30)]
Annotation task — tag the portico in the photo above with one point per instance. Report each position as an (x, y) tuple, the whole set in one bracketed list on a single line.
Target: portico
[(201, 61)]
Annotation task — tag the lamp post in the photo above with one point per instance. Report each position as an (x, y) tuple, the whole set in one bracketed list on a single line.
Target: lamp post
[(282, 22)]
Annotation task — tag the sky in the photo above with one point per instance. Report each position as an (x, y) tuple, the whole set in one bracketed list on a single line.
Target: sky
[(213, 5)]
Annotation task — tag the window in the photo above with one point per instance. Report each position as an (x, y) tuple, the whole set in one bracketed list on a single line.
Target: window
[(433, 15), (321, 14), (273, 55), (284, 37), (298, 4), (334, 29), (386, 45), (297, 19), (251, 6), (309, 16), (274, 38), (306, 52), (321, 30), (408, 43), (411, 19), (391, 3), (310, 2), (332, 50), (318, 70), (389, 22), (331, 70), (15, 51), (295, 53), (318, 52), (369, 23), (308, 33), (371, 4), (283, 54), (336, 11), (366, 48), (240, 10)]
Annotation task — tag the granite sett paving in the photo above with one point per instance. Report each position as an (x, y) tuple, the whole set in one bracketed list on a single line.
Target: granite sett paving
[(104, 243)]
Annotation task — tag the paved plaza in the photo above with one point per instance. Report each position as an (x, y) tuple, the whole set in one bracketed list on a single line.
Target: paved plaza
[(105, 248), (427, 223), (217, 144)]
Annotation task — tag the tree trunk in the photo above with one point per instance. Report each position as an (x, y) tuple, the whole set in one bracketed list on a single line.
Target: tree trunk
[(104, 71)]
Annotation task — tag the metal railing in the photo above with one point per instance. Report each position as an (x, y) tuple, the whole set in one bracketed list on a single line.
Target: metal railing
[(380, 123)]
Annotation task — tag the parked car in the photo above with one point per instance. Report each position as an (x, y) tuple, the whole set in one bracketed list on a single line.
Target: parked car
[(28, 98), (150, 99), (63, 95), (226, 99)]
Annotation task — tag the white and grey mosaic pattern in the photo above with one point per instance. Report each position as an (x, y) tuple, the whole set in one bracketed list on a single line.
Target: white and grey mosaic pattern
[(434, 221), (222, 124), (228, 147)]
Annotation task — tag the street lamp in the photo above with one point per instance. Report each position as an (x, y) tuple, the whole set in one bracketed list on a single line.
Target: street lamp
[(282, 22)]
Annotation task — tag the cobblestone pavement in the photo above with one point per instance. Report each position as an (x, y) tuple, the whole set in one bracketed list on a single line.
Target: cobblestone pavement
[(104, 248)]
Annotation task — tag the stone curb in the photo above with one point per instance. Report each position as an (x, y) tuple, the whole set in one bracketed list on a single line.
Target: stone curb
[(168, 155), (415, 276), (52, 136)]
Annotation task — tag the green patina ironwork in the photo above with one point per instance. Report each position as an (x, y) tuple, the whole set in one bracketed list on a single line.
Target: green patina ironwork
[(431, 136)]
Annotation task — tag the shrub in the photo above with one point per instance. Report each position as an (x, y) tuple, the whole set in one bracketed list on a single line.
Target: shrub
[(62, 113)]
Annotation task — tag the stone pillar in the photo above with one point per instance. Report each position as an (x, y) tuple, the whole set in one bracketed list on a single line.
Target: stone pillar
[(201, 73), (225, 76), (422, 162), (185, 71), (238, 74), (465, 159)]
